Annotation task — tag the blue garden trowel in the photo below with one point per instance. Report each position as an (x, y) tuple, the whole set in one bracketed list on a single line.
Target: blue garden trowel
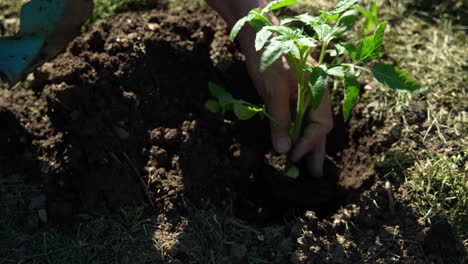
[(46, 28)]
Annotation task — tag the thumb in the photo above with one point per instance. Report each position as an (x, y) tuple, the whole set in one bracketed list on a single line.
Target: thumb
[(278, 107)]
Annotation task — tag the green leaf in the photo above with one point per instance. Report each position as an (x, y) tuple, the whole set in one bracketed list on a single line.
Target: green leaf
[(304, 18), (342, 48), (294, 50), (329, 16), (221, 94), (239, 24), (322, 30), (340, 7), (272, 52), (259, 21), (396, 79), (336, 71), (243, 112), (293, 172), (278, 4), (318, 84), (351, 94), (370, 47), (213, 106), (262, 37), (282, 30), (306, 42), (343, 5), (345, 23)]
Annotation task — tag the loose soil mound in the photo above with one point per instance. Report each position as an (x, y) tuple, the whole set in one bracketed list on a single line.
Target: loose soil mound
[(126, 104)]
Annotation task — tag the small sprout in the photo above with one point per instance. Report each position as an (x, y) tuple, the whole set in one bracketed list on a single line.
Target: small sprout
[(293, 172), (243, 112), (226, 102)]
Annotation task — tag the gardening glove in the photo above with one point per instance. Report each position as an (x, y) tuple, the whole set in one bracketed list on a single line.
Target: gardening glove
[(46, 28)]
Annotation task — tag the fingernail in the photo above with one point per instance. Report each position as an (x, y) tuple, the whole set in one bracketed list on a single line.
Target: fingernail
[(282, 145)]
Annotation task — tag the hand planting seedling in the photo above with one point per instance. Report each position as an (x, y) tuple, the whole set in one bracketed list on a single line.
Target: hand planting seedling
[(330, 29)]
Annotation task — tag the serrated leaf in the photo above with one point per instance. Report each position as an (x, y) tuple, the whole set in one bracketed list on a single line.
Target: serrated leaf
[(213, 106), (336, 71), (294, 50), (344, 5), (304, 18), (318, 84), (351, 94), (322, 30), (262, 37), (307, 42), (327, 16), (370, 47), (282, 30), (221, 94), (273, 52), (278, 4), (239, 24), (257, 23), (345, 23), (396, 79), (340, 7), (342, 48), (243, 112)]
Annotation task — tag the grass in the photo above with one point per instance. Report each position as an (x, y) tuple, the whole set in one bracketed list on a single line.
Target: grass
[(105, 239), (108, 8), (441, 186), (437, 57)]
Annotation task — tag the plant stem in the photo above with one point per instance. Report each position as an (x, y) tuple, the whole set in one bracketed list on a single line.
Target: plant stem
[(355, 66), (301, 106), (322, 52)]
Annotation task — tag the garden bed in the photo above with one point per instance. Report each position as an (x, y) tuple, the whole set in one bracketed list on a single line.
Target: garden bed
[(119, 120)]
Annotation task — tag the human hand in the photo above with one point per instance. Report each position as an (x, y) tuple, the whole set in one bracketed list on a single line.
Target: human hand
[(277, 85)]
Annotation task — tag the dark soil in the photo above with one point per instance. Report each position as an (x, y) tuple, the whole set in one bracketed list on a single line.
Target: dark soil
[(122, 122)]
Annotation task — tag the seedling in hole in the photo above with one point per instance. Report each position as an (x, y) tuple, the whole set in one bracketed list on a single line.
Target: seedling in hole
[(330, 30)]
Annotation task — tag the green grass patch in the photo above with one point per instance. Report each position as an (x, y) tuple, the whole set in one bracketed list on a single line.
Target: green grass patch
[(106, 239), (440, 186)]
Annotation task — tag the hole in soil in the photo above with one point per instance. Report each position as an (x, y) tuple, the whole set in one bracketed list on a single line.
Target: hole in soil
[(272, 197)]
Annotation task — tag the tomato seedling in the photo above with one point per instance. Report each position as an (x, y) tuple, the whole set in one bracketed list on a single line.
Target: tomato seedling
[(330, 29)]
